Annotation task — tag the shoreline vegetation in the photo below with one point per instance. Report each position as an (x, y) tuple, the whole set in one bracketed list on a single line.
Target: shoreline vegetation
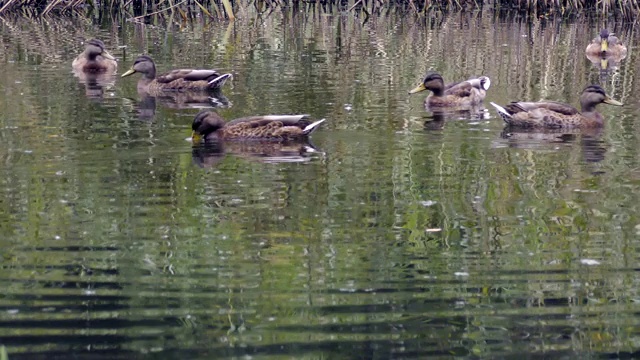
[(140, 11)]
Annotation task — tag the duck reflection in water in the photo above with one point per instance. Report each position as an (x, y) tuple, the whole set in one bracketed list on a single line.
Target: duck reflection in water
[(592, 147), (435, 122), (95, 84), (438, 117), (191, 100), (146, 107), (211, 153), (605, 64)]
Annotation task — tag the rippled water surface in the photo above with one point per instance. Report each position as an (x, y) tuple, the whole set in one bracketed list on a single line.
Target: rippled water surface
[(403, 235)]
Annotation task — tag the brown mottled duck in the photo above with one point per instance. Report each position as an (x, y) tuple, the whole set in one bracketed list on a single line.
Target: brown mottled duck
[(94, 59), (174, 80), (606, 44), (552, 114), (209, 126), (464, 93)]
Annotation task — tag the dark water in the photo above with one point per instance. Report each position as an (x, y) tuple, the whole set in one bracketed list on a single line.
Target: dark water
[(399, 237)]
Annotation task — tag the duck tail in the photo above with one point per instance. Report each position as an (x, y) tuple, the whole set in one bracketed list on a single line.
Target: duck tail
[(502, 112), (480, 83), (219, 81), (485, 82), (312, 127)]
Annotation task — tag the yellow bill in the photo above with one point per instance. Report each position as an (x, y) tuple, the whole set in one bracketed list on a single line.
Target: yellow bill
[(604, 45), (611, 101), (107, 55), (129, 72), (418, 88), (196, 138)]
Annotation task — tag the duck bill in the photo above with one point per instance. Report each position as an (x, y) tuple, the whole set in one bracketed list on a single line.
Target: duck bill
[(108, 56), (129, 72), (418, 88), (604, 45), (196, 138), (611, 101)]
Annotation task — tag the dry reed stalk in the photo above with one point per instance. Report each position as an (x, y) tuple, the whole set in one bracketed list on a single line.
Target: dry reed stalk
[(204, 10), (228, 9)]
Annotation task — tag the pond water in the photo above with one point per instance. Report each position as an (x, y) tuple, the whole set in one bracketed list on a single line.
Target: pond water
[(403, 235)]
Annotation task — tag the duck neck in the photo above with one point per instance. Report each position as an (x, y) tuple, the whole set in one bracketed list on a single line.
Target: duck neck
[(143, 84), (438, 90), (437, 87), (146, 79), (151, 74), (589, 111), (587, 106), (91, 56)]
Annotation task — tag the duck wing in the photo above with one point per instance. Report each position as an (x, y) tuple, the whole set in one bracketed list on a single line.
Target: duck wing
[(461, 89), (188, 75), (554, 106), (272, 126), (300, 121)]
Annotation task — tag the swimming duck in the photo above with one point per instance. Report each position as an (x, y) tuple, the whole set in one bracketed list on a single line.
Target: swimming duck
[(606, 44), (210, 126), (464, 93), (174, 80), (552, 114), (94, 59)]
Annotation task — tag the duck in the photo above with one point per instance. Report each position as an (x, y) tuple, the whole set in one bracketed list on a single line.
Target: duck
[(464, 93), (174, 80), (606, 44), (210, 127), (94, 59), (554, 115)]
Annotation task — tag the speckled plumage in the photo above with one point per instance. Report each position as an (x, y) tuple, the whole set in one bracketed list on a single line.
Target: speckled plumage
[(553, 114), (211, 127), (174, 80), (464, 93)]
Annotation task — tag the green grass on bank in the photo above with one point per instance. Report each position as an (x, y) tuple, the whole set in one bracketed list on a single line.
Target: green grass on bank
[(229, 9)]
